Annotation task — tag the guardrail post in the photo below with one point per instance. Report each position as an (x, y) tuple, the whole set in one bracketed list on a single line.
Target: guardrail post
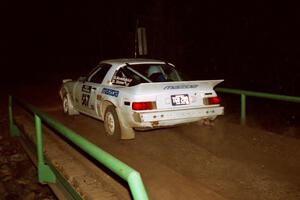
[(45, 174), (243, 109), (13, 129)]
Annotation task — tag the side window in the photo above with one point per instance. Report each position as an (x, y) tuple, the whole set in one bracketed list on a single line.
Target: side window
[(100, 74), (126, 77), (120, 78)]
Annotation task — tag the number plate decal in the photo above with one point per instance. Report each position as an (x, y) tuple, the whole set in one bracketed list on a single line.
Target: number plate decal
[(180, 99)]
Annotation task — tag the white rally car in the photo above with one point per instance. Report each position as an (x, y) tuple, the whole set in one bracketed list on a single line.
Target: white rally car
[(130, 94)]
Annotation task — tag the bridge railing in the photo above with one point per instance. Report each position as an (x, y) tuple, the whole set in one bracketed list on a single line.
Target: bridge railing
[(245, 93), (46, 175)]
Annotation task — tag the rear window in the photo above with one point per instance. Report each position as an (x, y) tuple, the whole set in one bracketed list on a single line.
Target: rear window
[(126, 77), (131, 75)]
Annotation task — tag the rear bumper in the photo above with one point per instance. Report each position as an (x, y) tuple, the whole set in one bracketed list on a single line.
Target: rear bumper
[(174, 117)]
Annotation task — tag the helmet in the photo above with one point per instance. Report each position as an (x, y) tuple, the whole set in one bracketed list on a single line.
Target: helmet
[(153, 70)]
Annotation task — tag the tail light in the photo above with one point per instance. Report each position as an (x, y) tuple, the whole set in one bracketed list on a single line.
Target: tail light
[(149, 105), (212, 100)]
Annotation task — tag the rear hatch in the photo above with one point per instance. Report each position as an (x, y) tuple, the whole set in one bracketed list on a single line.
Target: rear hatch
[(176, 95)]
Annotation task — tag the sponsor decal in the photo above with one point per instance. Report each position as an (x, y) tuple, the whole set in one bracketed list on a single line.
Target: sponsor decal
[(121, 80), (111, 92), (174, 87), (86, 88)]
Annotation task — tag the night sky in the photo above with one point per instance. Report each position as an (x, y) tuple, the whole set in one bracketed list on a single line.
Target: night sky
[(252, 45)]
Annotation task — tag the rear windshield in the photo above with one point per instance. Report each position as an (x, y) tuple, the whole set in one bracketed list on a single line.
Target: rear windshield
[(131, 75)]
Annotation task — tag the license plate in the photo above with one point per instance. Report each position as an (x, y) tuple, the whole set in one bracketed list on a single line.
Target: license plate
[(180, 99)]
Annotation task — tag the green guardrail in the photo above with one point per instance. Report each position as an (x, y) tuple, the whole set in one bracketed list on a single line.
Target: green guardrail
[(245, 93), (46, 175)]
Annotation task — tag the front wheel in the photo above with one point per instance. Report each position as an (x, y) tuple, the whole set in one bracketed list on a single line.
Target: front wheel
[(111, 123), (66, 105)]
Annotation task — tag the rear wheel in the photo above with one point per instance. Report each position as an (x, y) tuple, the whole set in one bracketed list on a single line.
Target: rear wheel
[(111, 123)]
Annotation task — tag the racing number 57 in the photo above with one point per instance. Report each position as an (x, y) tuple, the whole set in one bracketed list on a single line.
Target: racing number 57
[(85, 99)]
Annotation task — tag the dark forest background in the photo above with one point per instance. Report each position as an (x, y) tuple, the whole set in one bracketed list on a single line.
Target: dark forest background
[(253, 45)]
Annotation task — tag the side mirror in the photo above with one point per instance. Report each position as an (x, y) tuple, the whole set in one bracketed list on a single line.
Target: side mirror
[(82, 79)]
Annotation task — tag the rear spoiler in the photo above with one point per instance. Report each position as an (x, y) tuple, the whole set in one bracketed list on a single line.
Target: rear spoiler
[(177, 85)]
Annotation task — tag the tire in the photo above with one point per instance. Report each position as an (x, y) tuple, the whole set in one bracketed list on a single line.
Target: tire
[(66, 106), (111, 123)]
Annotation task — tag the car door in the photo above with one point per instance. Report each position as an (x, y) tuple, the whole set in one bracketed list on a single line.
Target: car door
[(88, 96), (91, 89)]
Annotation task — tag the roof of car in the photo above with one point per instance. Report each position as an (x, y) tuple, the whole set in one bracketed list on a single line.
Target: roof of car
[(131, 61)]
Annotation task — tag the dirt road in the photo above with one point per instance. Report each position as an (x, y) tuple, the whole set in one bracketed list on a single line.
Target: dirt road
[(196, 162), (234, 161)]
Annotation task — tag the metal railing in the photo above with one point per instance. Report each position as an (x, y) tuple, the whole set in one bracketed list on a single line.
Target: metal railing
[(46, 175), (245, 93)]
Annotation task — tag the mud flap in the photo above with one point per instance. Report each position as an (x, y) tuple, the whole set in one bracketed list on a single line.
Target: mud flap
[(126, 131)]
